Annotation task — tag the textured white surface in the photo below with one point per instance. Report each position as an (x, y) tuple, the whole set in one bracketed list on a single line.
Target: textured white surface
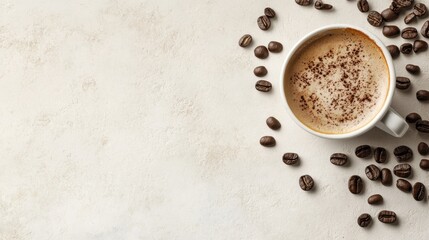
[(139, 120)]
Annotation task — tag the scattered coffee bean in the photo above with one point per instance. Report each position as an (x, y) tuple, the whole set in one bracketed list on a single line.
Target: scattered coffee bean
[(422, 95), (245, 40), (263, 86), (375, 199), (275, 47), (413, 69), (419, 9), (420, 46), (364, 220), (339, 159), (413, 117), (423, 148), (402, 83), (260, 71), (375, 19), (406, 48), (425, 29), (391, 31), (424, 164), (304, 2), (290, 158), (267, 141), (269, 12), (363, 5), (363, 151), (389, 15), (264, 23), (419, 191), (403, 185), (404, 3), (411, 17), (319, 5), (402, 170), (386, 177), (355, 184), (409, 33), (422, 126), (387, 216), (380, 155), (395, 8), (403, 153), (261, 52), (372, 172), (273, 123), (393, 50), (306, 182)]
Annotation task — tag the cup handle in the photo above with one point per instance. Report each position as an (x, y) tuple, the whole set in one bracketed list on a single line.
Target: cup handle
[(393, 123)]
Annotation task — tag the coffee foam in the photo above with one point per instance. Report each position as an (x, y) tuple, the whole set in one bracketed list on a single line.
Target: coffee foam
[(337, 82)]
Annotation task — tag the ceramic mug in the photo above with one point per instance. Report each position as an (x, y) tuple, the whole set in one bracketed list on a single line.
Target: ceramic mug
[(386, 119)]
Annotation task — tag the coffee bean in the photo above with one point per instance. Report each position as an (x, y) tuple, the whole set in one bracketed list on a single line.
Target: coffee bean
[(404, 3), (393, 50), (423, 148), (380, 155), (403, 185), (420, 46), (425, 29), (375, 19), (355, 184), (261, 52), (273, 123), (364, 220), (375, 199), (269, 12), (406, 48), (391, 31), (402, 170), (386, 177), (339, 159), (363, 5), (413, 69), (422, 95), (263, 86), (387, 216), (319, 5), (419, 9), (363, 151), (260, 71), (413, 117), (306, 182), (267, 141), (424, 164), (389, 15), (396, 8), (419, 191), (411, 17), (275, 47), (304, 2), (290, 158), (409, 33), (264, 23), (372, 172), (402, 83), (422, 126), (403, 153), (245, 40)]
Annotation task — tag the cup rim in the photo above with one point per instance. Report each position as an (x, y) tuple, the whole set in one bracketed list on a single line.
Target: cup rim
[(387, 101)]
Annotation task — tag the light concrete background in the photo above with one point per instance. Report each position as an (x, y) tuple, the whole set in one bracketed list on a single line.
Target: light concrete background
[(139, 120)]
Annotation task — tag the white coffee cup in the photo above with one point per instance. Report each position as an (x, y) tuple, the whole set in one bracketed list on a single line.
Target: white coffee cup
[(386, 119)]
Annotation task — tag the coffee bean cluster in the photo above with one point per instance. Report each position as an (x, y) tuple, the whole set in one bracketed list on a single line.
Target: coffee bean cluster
[(421, 125), (318, 4)]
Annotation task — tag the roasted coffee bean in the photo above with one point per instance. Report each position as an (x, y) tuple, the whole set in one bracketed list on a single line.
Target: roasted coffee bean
[(363, 5), (263, 86), (402, 170), (260, 71), (423, 148), (404, 3), (387, 216), (393, 50), (372, 172), (261, 52), (411, 17), (403, 185), (386, 177), (339, 159), (422, 95), (267, 141), (355, 184), (364, 220), (409, 33), (375, 19), (380, 155), (319, 5), (422, 126), (420, 46), (375, 199), (290, 158), (304, 2), (402, 83), (389, 15), (264, 22), (269, 12), (403, 153), (413, 69), (413, 117), (419, 9), (391, 31), (419, 191), (275, 47), (245, 40), (363, 151), (424, 164), (396, 8), (406, 48), (273, 123), (306, 182), (425, 29)]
